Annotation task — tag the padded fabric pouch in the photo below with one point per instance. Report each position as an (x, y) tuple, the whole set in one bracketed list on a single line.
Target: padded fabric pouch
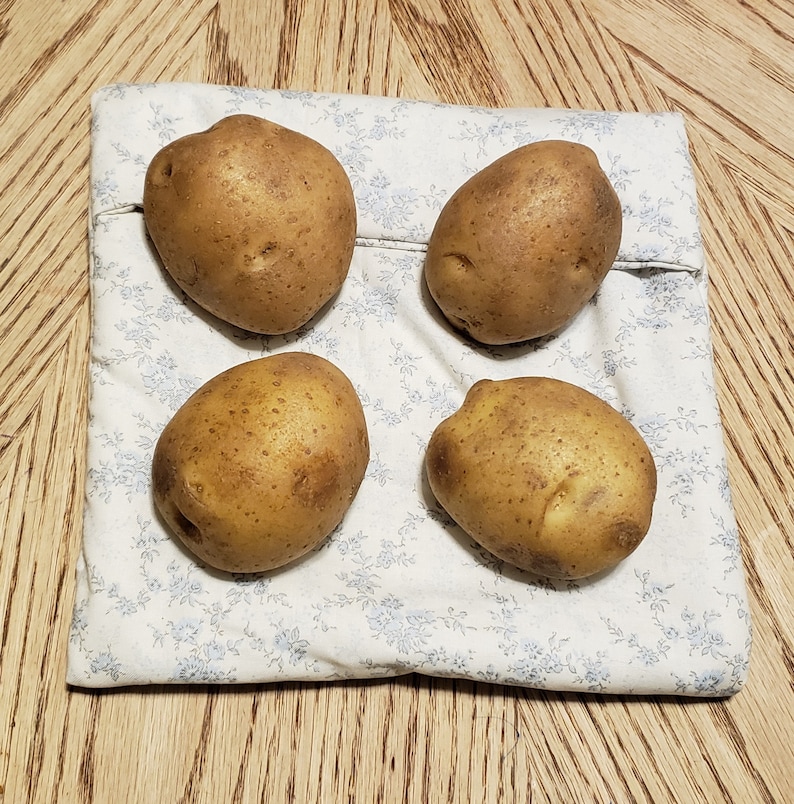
[(398, 588)]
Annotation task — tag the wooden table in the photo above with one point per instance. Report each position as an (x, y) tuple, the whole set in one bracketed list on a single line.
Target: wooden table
[(727, 66)]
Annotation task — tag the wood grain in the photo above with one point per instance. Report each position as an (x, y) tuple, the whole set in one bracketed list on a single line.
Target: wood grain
[(726, 65)]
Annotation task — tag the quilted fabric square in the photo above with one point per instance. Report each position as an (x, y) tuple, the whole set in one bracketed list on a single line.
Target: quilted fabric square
[(398, 587)]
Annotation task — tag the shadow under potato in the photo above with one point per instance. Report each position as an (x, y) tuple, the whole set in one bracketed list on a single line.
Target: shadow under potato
[(190, 558), (481, 556), (506, 352), (254, 342)]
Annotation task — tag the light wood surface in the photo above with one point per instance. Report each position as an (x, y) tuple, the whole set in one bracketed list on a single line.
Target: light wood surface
[(727, 66)]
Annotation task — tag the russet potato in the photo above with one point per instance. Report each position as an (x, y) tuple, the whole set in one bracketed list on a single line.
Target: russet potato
[(524, 244), (262, 462), (255, 222), (544, 475)]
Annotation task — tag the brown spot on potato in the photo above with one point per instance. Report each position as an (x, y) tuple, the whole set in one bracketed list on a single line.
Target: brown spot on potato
[(438, 460), (538, 563), (593, 496), (163, 472), (316, 483), (627, 534)]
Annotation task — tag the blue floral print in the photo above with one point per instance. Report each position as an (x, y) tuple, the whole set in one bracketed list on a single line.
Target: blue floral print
[(398, 587)]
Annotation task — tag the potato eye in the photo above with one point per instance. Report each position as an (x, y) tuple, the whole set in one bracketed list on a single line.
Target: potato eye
[(188, 529)]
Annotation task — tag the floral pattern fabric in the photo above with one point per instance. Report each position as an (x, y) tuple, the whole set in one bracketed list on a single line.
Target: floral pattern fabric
[(398, 587)]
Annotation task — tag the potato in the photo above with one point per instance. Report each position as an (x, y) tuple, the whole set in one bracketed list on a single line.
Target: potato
[(256, 223), (544, 475), (525, 243), (262, 462)]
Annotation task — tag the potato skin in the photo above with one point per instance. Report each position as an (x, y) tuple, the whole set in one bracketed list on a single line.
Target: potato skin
[(255, 222), (261, 463), (544, 475), (525, 243)]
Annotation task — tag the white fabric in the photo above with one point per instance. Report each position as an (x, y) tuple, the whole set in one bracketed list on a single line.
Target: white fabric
[(398, 588)]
